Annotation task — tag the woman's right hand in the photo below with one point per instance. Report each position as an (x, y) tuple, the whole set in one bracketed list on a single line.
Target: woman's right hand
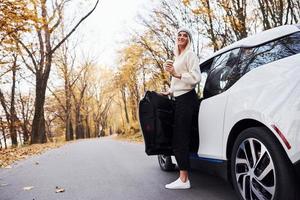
[(168, 66)]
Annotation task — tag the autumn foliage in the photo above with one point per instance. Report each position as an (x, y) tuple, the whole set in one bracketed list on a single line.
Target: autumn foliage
[(84, 99)]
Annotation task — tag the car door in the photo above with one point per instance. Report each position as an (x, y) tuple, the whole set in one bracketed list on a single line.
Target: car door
[(213, 104)]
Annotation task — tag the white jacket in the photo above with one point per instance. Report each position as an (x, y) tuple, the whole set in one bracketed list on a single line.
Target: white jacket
[(186, 64)]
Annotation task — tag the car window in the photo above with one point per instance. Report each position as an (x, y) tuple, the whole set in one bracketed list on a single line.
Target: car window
[(205, 68), (257, 56), (218, 76), (229, 67)]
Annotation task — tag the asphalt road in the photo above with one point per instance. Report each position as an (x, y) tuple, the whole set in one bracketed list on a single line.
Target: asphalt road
[(103, 169)]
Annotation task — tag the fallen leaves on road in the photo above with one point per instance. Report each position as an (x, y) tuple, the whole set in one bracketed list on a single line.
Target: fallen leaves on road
[(59, 189), (27, 188), (3, 184), (9, 156)]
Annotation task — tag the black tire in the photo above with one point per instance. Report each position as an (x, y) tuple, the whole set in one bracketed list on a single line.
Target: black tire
[(266, 172), (165, 163)]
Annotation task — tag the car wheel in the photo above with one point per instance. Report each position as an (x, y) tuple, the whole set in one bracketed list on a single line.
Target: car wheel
[(165, 163), (259, 167)]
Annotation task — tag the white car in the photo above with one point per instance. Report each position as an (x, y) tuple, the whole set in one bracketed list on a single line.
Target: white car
[(249, 116)]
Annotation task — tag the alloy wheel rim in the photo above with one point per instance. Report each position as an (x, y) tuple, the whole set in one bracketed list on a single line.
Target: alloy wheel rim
[(255, 171), (163, 160)]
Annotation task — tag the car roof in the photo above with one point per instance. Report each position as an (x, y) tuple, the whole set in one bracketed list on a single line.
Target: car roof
[(259, 38)]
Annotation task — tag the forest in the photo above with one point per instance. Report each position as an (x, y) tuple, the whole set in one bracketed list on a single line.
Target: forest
[(75, 100)]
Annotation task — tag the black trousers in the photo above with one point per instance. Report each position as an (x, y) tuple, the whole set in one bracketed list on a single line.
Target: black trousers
[(185, 121)]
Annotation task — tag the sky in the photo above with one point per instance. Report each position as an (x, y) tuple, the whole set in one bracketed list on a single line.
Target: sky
[(103, 32), (101, 35)]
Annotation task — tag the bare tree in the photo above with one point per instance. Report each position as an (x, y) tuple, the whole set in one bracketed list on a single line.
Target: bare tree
[(101, 113), (2, 128), (10, 111), (278, 12), (41, 60), (65, 63), (13, 114), (26, 113), (78, 93), (236, 14)]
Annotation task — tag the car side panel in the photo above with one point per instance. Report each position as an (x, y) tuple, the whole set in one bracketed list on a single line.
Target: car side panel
[(269, 94), (211, 117)]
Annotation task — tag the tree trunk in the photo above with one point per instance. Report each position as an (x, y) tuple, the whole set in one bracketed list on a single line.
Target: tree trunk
[(42, 76), (103, 126), (19, 134), (3, 132), (137, 96), (87, 128), (25, 120), (38, 134), (264, 14), (13, 119), (69, 130), (96, 127), (79, 131), (77, 123), (25, 133), (133, 107), (211, 27), (68, 134), (110, 131), (125, 105)]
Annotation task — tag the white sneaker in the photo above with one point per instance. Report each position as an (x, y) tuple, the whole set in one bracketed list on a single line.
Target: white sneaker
[(178, 184)]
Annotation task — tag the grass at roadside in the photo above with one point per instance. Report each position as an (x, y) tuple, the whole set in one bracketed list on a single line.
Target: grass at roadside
[(11, 155)]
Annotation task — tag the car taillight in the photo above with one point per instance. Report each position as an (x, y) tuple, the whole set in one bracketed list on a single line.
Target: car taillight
[(281, 135)]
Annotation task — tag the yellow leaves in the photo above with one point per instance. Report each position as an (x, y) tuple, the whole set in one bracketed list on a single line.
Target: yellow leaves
[(203, 8), (132, 53), (15, 19), (238, 24), (225, 4), (137, 138), (235, 21), (186, 2), (196, 11), (131, 59), (200, 10)]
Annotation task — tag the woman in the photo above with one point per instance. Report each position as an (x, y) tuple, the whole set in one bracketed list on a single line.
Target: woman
[(185, 72)]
